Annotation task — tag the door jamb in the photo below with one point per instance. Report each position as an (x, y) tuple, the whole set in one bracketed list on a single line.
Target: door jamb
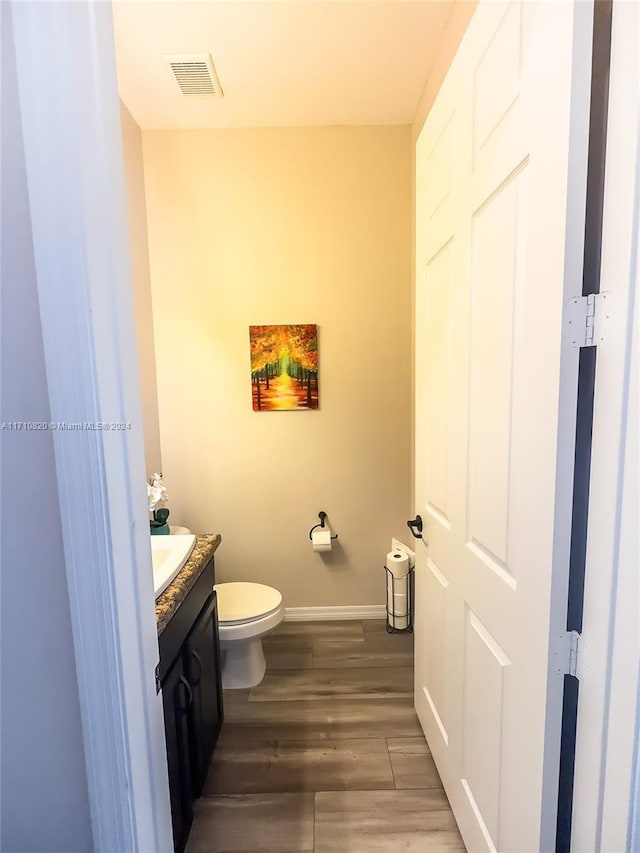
[(608, 715), (75, 177)]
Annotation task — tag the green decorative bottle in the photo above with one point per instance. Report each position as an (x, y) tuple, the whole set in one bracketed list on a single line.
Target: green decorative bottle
[(158, 523)]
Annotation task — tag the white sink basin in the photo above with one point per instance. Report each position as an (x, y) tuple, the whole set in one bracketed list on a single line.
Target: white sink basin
[(169, 554)]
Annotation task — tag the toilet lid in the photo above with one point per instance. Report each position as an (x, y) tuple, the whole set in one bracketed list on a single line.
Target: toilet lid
[(238, 602)]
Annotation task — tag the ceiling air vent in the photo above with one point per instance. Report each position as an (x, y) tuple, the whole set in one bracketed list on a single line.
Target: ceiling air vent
[(195, 74)]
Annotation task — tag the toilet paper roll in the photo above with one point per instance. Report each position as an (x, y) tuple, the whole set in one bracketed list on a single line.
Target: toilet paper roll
[(398, 564), (397, 606), (399, 622), (321, 539), (397, 603)]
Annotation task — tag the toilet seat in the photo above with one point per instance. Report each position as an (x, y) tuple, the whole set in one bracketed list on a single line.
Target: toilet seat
[(242, 603), (246, 612)]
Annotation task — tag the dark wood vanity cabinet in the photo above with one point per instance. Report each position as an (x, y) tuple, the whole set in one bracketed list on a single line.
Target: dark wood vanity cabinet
[(202, 660), (175, 701), (192, 698)]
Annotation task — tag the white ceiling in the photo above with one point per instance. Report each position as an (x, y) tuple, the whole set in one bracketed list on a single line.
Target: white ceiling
[(281, 63)]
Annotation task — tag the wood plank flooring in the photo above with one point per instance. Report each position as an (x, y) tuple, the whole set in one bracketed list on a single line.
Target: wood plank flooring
[(326, 754)]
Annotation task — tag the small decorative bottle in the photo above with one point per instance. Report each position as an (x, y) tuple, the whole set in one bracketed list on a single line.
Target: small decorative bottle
[(158, 523)]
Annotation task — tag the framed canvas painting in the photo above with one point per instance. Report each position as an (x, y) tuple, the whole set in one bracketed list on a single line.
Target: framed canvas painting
[(284, 367)]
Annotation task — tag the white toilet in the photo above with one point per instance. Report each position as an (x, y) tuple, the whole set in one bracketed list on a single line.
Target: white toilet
[(246, 612)]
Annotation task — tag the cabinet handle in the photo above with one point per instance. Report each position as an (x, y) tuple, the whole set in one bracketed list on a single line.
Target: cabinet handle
[(195, 655), (184, 681)]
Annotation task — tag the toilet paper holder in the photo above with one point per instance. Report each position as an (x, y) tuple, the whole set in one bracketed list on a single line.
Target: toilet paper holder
[(322, 516)]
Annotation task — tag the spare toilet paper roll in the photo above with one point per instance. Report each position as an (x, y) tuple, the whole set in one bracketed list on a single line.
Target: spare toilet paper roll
[(399, 622), (321, 539), (398, 564), (397, 603)]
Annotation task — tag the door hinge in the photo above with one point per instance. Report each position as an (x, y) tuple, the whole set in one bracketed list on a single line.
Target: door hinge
[(158, 685), (574, 645), (565, 656), (587, 318)]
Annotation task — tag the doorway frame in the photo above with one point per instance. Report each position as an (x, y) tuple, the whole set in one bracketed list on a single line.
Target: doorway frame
[(87, 319), (608, 718), (76, 187)]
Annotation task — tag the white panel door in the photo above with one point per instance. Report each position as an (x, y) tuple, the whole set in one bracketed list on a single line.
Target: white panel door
[(500, 190)]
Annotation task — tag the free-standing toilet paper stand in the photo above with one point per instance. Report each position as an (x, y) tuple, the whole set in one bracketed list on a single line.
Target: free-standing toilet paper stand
[(399, 618)]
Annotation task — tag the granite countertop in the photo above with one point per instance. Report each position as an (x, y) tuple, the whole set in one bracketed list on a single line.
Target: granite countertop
[(176, 592)]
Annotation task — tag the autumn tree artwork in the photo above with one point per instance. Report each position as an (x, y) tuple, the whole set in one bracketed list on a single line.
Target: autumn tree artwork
[(284, 367)]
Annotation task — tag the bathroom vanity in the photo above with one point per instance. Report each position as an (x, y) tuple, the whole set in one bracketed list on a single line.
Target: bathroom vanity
[(189, 675)]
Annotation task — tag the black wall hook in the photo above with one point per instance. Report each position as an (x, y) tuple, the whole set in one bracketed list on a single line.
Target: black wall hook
[(323, 517), (415, 524)]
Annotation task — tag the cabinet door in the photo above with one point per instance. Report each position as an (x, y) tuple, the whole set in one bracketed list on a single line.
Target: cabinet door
[(176, 700), (202, 661)]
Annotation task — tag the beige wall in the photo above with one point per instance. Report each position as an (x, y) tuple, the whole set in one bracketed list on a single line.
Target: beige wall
[(309, 225), (132, 149)]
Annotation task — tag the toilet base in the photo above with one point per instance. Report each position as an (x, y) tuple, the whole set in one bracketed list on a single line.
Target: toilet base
[(243, 663)]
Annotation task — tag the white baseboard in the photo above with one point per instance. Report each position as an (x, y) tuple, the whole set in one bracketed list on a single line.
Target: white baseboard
[(332, 614)]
